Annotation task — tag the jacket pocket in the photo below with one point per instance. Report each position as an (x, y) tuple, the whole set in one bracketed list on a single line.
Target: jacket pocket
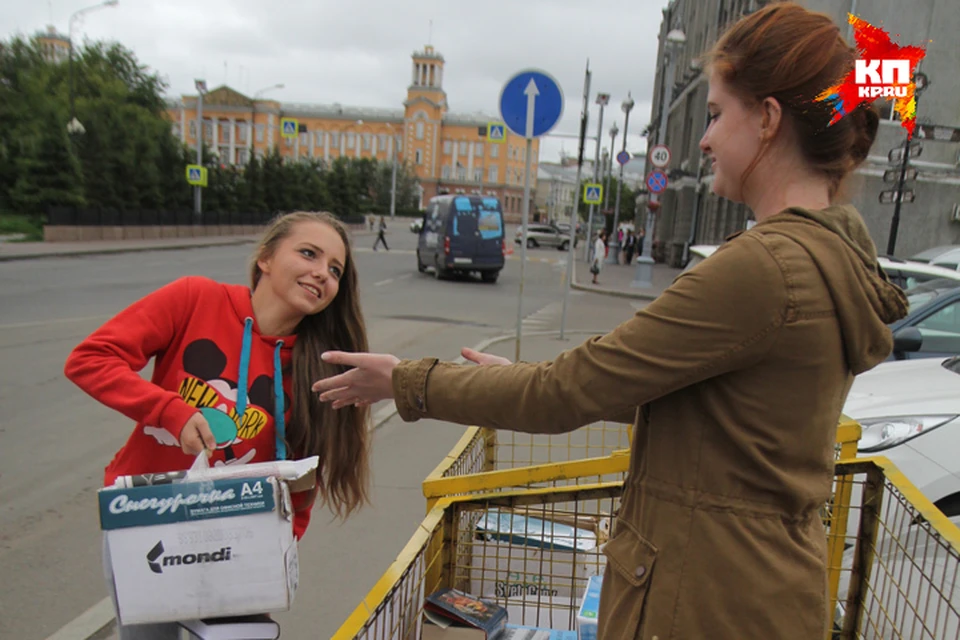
[(626, 583)]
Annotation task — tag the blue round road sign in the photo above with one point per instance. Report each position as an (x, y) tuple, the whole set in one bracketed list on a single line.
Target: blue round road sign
[(657, 181), (531, 103), (623, 157)]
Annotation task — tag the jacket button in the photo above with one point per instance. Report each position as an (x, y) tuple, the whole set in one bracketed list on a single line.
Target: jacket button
[(641, 570), (420, 403)]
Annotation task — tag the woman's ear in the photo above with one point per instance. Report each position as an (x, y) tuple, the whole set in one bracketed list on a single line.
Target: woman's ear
[(771, 117), (264, 264)]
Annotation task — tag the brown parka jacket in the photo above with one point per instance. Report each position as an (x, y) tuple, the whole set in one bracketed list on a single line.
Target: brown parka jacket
[(735, 377)]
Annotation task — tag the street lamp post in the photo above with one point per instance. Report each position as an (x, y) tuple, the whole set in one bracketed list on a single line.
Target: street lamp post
[(603, 99), (613, 257), (74, 125), (393, 172), (614, 132), (201, 86), (644, 275)]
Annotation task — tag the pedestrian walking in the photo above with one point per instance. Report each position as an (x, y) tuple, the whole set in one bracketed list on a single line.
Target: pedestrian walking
[(380, 235), (599, 253), (629, 246), (219, 351)]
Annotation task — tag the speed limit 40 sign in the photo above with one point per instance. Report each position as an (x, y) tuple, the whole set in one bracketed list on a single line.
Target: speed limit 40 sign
[(660, 156)]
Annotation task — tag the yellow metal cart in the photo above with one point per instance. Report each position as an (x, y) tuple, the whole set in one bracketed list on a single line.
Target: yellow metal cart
[(893, 565)]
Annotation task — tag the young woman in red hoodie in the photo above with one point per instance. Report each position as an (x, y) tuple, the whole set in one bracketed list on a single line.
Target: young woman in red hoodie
[(234, 366)]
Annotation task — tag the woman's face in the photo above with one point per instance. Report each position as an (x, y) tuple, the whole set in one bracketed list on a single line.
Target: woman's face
[(732, 139), (305, 270)]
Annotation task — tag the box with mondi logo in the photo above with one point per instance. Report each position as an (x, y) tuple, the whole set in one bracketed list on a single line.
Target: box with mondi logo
[(189, 550)]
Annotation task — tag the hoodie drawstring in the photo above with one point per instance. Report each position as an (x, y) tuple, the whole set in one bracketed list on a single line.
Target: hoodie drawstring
[(242, 375), (279, 425)]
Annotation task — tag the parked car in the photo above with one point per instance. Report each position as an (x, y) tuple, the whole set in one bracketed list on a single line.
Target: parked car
[(948, 260), (906, 274), (416, 225), (462, 234), (544, 235), (929, 255), (932, 327)]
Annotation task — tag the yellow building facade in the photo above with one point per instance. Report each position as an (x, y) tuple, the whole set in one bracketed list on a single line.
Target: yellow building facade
[(448, 152)]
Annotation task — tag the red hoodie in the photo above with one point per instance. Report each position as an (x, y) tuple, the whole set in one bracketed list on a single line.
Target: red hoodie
[(195, 329)]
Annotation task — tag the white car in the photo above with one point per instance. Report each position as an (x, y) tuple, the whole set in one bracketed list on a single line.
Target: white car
[(910, 412), (903, 273), (948, 260)]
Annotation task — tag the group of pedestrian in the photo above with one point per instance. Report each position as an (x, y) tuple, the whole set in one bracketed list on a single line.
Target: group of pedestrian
[(734, 378)]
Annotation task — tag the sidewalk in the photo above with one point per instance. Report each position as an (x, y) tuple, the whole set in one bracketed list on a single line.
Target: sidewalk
[(617, 279), (33, 250)]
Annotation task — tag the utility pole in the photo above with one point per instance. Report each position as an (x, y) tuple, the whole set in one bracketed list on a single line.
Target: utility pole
[(602, 99), (201, 86)]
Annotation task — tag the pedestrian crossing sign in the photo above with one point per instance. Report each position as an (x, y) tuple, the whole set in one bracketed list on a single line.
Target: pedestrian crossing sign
[(496, 132), (289, 127), (196, 175), (592, 193)]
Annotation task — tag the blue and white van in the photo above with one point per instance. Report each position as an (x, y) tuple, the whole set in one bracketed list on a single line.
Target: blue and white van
[(462, 234)]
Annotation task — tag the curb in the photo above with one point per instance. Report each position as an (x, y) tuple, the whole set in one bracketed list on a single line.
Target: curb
[(116, 250)]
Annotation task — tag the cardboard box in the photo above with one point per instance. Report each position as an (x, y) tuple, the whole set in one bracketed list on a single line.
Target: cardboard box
[(514, 632), (192, 550), (535, 553), (589, 610), (542, 611)]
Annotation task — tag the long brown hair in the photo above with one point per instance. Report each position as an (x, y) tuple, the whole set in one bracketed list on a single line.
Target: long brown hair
[(791, 54), (339, 437)]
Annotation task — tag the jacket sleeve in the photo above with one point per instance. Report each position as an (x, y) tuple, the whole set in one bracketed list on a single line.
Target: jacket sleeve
[(106, 365), (721, 316)]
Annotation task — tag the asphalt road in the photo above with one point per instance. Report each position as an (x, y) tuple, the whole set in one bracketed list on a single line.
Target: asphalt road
[(55, 441)]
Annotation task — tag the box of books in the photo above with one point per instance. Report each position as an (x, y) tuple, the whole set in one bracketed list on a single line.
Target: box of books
[(454, 615)]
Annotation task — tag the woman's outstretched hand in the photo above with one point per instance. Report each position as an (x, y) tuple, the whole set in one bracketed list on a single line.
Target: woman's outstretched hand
[(479, 357), (370, 380)]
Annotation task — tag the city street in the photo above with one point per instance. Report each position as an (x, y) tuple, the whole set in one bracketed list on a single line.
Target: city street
[(55, 441)]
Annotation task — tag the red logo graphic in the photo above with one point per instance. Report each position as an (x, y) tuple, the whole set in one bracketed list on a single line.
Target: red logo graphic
[(884, 70)]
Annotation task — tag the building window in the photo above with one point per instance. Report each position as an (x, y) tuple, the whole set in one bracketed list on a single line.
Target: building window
[(225, 156), (224, 132), (420, 131), (288, 142), (351, 138), (193, 129), (478, 149), (319, 137), (447, 147), (208, 131), (445, 172), (461, 172), (418, 157), (382, 142), (492, 173), (242, 157), (478, 174), (366, 142), (463, 148), (304, 138), (335, 139), (175, 130), (494, 151), (242, 132), (260, 133)]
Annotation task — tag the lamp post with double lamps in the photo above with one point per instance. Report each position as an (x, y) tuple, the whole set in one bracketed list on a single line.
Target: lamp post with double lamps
[(614, 131), (74, 125), (613, 255)]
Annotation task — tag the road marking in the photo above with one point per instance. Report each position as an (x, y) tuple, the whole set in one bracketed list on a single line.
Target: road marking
[(40, 323), (389, 280)]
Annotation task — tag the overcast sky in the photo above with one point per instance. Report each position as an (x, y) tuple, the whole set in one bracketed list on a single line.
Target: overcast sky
[(357, 52)]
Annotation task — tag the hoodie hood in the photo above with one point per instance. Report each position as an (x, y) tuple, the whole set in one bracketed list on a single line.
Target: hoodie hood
[(842, 250)]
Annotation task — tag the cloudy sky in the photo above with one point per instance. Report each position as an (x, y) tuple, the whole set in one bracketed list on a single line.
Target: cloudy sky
[(357, 52)]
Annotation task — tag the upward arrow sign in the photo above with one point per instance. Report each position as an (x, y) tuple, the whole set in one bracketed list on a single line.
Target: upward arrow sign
[(531, 92)]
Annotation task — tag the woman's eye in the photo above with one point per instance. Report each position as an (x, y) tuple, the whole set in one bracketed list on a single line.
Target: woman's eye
[(307, 253), (711, 117), (336, 272)]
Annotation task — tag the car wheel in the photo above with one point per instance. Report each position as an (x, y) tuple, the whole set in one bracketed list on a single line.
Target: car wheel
[(531, 243), (564, 245), (420, 266), (489, 276), (438, 271)]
